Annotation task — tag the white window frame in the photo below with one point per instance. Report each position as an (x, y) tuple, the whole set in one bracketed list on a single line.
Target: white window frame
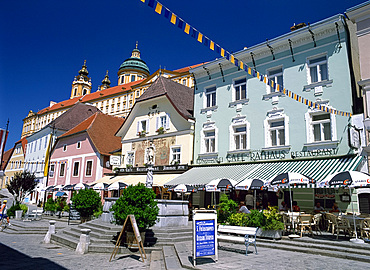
[(209, 127), (174, 154), (91, 170), (273, 74), (317, 66), (62, 171), (52, 170), (268, 130), (237, 123), (310, 128), (238, 84), (210, 98), (73, 169), (163, 121), (140, 126), (129, 160)]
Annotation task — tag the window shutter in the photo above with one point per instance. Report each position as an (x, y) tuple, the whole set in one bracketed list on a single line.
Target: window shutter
[(138, 127), (167, 121), (157, 123), (147, 125)]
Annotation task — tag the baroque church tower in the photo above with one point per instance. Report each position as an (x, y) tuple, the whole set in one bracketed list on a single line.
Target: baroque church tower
[(81, 85)]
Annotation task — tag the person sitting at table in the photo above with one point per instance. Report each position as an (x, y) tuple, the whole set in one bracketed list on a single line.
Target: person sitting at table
[(318, 208), (243, 208), (283, 206), (335, 208), (296, 208)]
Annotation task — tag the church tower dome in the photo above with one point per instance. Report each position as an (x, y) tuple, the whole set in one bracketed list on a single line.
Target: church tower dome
[(81, 84), (105, 82), (133, 68)]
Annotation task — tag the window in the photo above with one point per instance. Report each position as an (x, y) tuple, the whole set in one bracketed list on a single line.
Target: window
[(275, 75), (46, 142), (277, 132), (240, 137), (76, 166), (318, 69), (184, 81), (240, 87), (163, 121), (78, 146), (52, 169), (143, 126), (321, 127), (64, 148), (209, 141), (133, 78), (130, 159), (211, 96), (84, 92), (62, 169), (175, 155), (88, 168)]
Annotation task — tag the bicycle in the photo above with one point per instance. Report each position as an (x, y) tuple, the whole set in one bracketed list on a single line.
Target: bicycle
[(3, 224)]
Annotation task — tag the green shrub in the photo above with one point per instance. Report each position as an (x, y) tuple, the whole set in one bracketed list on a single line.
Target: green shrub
[(86, 202), (13, 208), (226, 208), (66, 208), (238, 219), (50, 205), (273, 219), (60, 204), (138, 201), (24, 208), (256, 219)]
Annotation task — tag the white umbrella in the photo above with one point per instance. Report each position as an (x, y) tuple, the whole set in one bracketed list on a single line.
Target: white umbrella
[(117, 186), (58, 188), (350, 179), (290, 179), (100, 186), (250, 184), (81, 186), (221, 184)]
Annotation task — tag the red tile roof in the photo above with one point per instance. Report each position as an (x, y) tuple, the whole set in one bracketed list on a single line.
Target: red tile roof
[(89, 97), (6, 157), (101, 129)]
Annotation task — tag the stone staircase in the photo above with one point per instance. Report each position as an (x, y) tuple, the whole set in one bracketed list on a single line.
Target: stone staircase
[(170, 248), (30, 227)]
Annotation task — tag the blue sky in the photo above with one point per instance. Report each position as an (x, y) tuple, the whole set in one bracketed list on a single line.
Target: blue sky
[(43, 43)]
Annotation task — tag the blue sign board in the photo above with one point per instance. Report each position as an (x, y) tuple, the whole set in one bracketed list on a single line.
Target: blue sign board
[(205, 242)]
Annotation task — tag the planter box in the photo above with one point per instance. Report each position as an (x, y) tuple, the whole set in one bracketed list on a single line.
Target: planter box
[(269, 234), (18, 214)]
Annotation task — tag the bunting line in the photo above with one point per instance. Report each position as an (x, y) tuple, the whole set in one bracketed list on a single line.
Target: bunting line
[(201, 38)]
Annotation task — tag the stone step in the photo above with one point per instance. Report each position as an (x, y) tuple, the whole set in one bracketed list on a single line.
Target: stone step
[(122, 250), (97, 223), (156, 260), (63, 239), (93, 233), (238, 247), (99, 230), (171, 260)]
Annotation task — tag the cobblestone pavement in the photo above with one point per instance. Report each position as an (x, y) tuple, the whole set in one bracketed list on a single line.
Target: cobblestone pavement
[(20, 251), (276, 259)]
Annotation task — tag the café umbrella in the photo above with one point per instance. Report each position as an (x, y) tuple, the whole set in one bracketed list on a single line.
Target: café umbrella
[(250, 184), (222, 184), (350, 179), (182, 188), (290, 179), (100, 186), (117, 186), (81, 186)]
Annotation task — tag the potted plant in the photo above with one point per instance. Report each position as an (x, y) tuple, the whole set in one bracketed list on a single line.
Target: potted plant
[(138, 201), (226, 208), (141, 134), (160, 130), (273, 227), (86, 202)]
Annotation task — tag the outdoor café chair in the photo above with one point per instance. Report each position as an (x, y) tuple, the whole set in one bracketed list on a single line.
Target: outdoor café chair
[(287, 223), (365, 228), (339, 224), (316, 222), (305, 222)]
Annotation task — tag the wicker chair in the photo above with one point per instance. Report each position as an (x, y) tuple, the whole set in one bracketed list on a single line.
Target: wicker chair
[(339, 224), (305, 222), (365, 228)]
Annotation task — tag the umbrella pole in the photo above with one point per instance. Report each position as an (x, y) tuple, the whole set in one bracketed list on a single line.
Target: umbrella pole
[(254, 205), (354, 240), (294, 235)]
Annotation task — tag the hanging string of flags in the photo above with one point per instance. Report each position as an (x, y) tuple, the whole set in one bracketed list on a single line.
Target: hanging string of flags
[(15, 162), (188, 29)]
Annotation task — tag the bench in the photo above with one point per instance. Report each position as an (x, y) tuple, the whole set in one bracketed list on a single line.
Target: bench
[(33, 215), (246, 235)]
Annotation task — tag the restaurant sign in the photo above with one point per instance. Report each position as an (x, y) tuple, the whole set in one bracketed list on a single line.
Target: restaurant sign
[(278, 155)]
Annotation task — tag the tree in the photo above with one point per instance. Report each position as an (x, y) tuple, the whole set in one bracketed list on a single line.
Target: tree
[(138, 201), (86, 202), (23, 184)]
